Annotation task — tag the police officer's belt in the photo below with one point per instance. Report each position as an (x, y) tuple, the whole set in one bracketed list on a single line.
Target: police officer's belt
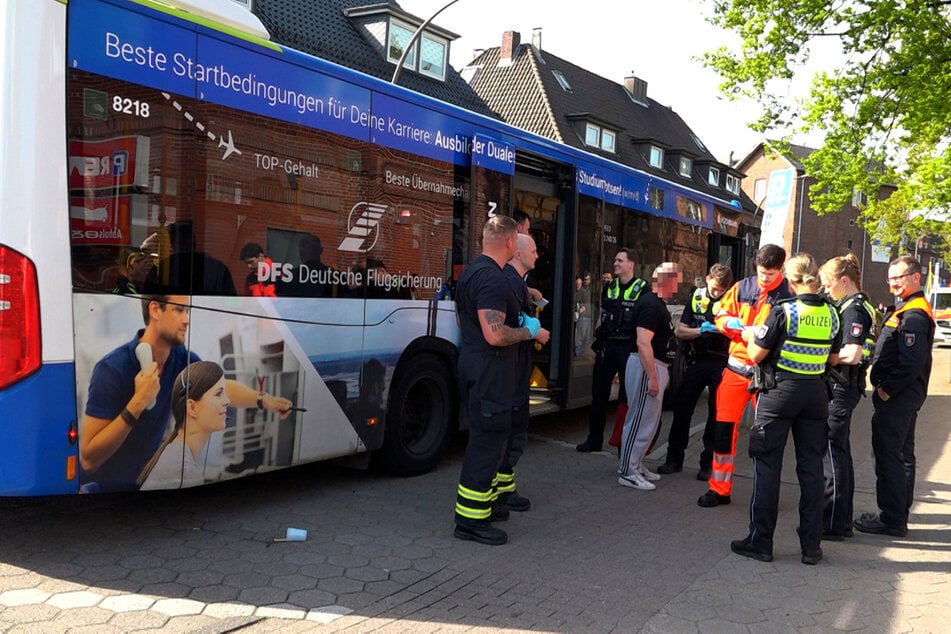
[(782, 375)]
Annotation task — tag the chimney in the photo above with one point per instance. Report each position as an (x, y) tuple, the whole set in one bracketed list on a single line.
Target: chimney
[(510, 42), (637, 88), (537, 37)]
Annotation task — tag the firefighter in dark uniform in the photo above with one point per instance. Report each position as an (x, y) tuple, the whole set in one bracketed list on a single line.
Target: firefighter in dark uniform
[(901, 369), (526, 255), (491, 327), (705, 353), (800, 337), (613, 341), (841, 278)]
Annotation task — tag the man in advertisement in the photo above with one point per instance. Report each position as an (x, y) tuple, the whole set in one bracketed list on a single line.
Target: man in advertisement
[(130, 397)]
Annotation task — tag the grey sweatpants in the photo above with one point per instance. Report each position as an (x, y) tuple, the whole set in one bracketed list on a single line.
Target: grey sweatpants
[(643, 414)]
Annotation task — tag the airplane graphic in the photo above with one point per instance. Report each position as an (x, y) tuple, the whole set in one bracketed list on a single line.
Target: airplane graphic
[(228, 145)]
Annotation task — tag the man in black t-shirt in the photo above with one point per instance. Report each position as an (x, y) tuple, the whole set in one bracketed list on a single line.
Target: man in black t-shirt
[(647, 376), (491, 327)]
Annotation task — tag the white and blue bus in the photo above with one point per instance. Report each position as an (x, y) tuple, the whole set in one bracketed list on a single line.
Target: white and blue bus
[(150, 148)]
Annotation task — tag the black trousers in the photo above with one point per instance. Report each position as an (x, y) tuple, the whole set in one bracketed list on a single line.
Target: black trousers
[(837, 464), (803, 407), (893, 445), (700, 375), (607, 364), (518, 436)]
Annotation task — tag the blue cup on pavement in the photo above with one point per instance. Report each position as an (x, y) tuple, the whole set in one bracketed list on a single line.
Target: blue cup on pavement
[(296, 535)]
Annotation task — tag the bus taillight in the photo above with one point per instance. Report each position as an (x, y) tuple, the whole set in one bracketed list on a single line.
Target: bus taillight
[(20, 347)]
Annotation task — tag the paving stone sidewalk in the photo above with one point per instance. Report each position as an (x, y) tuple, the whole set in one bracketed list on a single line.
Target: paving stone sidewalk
[(380, 557)]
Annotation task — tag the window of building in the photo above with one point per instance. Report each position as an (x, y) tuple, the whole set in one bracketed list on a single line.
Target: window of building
[(759, 190), (432, 56), (596, 136), (592, 135), (714, 177), (432, 51), (657, 157), (733, 183), (657, 198), (686, 166), (562, 80), (858, 198)]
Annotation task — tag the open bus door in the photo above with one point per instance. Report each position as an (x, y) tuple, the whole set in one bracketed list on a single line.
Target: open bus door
[(543, 190)]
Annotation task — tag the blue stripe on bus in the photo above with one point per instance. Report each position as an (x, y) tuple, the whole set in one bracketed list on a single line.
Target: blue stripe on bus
[(35, 415)]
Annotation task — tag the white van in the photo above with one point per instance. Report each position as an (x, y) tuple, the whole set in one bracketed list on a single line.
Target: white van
[(940, 300)]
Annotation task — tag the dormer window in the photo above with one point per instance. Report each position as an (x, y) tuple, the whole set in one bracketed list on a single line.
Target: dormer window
[(430, 50), (732, 183), (686, 167), (599, 137), (657, 157), (714, 178)]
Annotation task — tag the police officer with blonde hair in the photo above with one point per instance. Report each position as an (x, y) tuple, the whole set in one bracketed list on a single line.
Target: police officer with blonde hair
[(792, 348)]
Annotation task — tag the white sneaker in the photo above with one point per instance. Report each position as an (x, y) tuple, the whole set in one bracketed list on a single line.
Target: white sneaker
[(649, 475), (635, 481)]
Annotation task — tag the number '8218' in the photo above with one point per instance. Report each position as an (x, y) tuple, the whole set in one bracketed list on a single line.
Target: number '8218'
[(131, 106)]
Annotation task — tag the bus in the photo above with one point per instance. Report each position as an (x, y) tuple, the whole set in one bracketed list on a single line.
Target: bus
[(150, 147)]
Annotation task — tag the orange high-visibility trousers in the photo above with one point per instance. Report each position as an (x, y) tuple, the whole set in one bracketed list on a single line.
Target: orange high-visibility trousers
[(732, 399)]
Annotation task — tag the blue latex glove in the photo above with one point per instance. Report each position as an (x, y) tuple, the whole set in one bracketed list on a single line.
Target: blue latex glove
[(707, 327), (531, 323), (734, 323)]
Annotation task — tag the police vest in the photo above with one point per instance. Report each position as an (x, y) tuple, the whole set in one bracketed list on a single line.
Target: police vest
[(700, 302), (809, 333), (868, 345), (617, 316)]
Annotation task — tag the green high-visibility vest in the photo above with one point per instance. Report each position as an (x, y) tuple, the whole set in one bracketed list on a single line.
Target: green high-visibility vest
[(810, 330)]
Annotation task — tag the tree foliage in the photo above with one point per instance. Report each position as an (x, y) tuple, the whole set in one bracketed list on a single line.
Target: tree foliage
[(884, 110)]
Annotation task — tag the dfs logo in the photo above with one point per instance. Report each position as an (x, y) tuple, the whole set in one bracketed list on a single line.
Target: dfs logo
[(363, 227)]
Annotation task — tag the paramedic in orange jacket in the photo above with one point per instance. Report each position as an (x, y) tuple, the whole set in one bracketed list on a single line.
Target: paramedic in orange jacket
[(745, 305)]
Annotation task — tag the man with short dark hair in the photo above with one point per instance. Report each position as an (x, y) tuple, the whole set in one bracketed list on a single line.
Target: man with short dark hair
[(744, 307), (613, 341), (129, 406), (704, 354), (258, 283), (901, 369)]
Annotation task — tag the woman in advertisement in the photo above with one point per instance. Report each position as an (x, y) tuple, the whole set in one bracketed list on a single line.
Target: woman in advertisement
[(200, 407)]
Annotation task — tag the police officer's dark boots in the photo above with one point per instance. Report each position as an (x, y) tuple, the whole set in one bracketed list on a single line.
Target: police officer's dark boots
[(479, 531), (670, 467), (512, 501)]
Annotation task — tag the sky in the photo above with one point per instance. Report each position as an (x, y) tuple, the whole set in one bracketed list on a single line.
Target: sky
[(656, 40)]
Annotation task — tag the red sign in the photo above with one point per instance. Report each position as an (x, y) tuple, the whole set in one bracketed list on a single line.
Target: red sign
[(117, 162), (100, 220)]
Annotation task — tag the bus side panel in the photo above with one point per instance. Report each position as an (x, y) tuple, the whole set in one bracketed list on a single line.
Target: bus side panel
[(33, 198), (35, 415)]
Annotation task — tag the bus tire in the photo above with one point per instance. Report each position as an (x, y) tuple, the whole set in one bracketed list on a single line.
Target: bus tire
[(421, 417)]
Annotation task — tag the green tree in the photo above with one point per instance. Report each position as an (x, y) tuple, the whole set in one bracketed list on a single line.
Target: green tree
[(885, 110)]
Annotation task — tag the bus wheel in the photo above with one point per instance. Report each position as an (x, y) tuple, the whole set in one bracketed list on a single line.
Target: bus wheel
[(421, 417)]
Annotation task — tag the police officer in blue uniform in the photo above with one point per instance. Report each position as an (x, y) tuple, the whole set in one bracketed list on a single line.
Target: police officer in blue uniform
[(613, 341), (841, 278), (705, 352), (900, 373), (800, 337)]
